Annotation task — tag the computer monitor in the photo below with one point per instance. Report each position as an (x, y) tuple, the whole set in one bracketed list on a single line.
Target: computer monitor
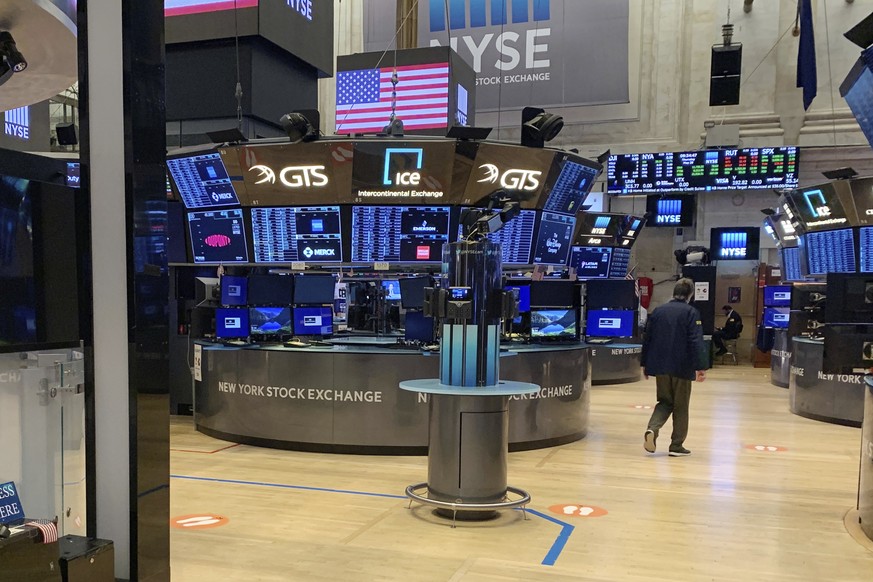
[(523, 296), (206, 291), (231, 323), (777, 296), (847, 348), (554, 239), (218, 236), (556, 293), (791, 264), (591, 262), (412, 291), (611, 294), (234, 290), (314, 289), (610, 323), (391, 287), (271, 322), (865, 243), (418, 327), (313, 321), (830, 251), (554, 324), (271, 289), (849, 298), (735, 243), (408, 234), (287, 234), (202, 180), (776, 317)]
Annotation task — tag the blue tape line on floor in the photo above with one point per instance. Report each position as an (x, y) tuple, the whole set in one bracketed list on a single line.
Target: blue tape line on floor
[(549, 560)]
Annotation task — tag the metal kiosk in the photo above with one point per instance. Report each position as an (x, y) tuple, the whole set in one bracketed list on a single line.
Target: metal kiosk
[(468, 423)]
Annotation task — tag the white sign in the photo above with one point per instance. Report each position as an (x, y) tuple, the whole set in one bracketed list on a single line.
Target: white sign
[(198, 360), (701, 291)]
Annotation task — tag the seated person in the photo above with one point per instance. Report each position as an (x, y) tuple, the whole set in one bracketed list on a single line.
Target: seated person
[(731, 330)]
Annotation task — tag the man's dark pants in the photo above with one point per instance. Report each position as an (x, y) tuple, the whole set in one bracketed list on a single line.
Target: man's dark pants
[(674, 395)]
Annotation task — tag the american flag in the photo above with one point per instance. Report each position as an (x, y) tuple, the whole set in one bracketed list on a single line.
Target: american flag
[(363, 98)]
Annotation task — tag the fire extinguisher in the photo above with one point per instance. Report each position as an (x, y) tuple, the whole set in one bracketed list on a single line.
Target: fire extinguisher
[(647, 287)]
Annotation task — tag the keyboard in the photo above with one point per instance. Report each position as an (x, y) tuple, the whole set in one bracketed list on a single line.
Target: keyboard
[(597, 341)]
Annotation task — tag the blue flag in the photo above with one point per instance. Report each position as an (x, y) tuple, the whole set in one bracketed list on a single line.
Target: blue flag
[(806, 76)]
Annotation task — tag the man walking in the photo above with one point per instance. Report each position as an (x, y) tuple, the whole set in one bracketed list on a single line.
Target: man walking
[(673, 352)]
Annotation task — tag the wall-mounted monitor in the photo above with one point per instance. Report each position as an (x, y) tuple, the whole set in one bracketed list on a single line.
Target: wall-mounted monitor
[(234, 290), (270, 289), (776, 317), (554, 324), (865, 243), (391, 287), (314, 289), (777, 296), (620, 263), (571, 187), (591, 262), (73, 178), (202, 181), (595, 230), (671, 211), (734, 243), (218, 236), (412, 291), (792, 270), (408, 234), (272, 322), (703, 170), (313, 321), (554, 238), (821, 207), (610, 322), (829, 251), (297, 233), (515, 238), (231, 323)]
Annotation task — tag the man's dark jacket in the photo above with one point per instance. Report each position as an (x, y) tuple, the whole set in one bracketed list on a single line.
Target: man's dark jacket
[(733, 327), (673, 341)]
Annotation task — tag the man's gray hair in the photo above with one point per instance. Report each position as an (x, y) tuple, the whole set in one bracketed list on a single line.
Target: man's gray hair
[(683, 288)]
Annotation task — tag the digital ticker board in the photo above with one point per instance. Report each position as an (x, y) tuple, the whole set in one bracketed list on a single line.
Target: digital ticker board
[(703, 170)]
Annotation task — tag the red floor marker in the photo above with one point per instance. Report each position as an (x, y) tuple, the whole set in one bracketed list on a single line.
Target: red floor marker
[(579, 510), (766, 448), (198, 521)]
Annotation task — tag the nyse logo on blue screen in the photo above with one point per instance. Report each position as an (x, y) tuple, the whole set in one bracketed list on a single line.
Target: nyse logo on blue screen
[(462, 105), (600, 225), (669, 212), (481, 15), (17, 123), (397, 166), (815, 201), (733, 245)]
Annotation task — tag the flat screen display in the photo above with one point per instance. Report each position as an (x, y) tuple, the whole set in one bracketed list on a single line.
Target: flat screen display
[(270, 321), (418, 327), (391, 287), (218, 236), (597, 229), (554, 324), (559, 293), (399, 233), (609, 323), (611, 294), (785, 231), (314, 289), (554, 239), (777, 296), (73, 179), (270, 289), (865, 236), (412, 291), (620, 262), (830, 251), (313, 321), (821, 207), (776, 316), (791, 264), (670, 211), (703, 170), (202, 181), (591, 262), (301, 233), (862, 197), (231, 323), (523, 297), (734, 244), (570, 189), (515, 238), (234, 290)]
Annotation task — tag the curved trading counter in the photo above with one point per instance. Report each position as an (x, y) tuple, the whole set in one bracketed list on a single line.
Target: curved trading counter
[(346, 399), (780, 359), (616, 363), (837, 398), (865, 480)]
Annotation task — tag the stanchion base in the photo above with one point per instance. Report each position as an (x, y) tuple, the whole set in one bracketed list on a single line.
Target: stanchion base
[(466, 511)]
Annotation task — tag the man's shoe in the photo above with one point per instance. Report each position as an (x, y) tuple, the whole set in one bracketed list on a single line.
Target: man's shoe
[(721, 352), (679, 452), (649, 441)]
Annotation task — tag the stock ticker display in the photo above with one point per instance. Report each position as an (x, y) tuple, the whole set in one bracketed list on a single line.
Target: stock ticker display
[(703, 170), (791, 269), (399, 233), (866, 244), (202, 181), (515, 238), (831, 251), (290, 234)]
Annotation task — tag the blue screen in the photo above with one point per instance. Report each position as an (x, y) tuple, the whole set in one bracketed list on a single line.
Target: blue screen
[(231, 323), (233, 290), (553, 323), (392, 289), (777, 296), (830, 251), (591, 262), (418, 327), (776, 316), (866, 235), (523, 297), (610, 323), (791, 268), (202, 181), (313, 321), (270, 321)]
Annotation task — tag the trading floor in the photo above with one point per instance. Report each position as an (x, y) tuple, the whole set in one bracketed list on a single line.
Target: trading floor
[(762, 497)]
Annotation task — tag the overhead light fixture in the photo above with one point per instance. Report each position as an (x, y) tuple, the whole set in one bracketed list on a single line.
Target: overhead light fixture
[(538, 127), (298, 127), (465, 132), (840, 174)]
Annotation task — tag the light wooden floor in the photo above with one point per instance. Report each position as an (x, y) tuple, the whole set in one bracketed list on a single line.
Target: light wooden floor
[(724, 513)]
